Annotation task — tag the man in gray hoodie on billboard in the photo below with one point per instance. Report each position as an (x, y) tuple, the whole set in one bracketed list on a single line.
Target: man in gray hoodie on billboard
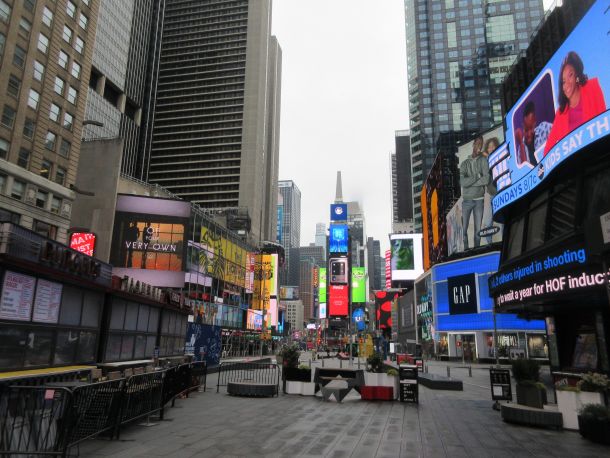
[(474, 177)]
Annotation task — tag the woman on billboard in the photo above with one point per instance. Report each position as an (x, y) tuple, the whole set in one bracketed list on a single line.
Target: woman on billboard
[(580, 99)]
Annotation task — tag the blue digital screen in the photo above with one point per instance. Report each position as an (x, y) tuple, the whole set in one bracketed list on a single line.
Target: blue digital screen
[(358, 318), (563, 110), (485, 321), (338, 238), (338, 212)]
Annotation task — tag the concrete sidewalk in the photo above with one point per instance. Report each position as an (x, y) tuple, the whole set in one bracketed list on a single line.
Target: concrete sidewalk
[(444, 424)]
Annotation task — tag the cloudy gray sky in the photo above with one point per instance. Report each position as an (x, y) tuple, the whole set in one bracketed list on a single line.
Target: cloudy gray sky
[(344, 93)]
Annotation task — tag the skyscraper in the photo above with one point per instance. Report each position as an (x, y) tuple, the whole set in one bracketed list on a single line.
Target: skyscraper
[(290, 227), (458, 52), (320, 239), (121, 95), (375, 262), (216, 116), (45, 62), (402, 191)]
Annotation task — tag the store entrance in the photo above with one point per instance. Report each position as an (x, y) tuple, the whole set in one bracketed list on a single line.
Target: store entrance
[(465, 347)]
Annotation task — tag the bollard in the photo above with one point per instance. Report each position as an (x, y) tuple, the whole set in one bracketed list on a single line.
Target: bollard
[(340, 364), (448, 372), (358, 362), (426, 369), (469, 371), (322, 363)]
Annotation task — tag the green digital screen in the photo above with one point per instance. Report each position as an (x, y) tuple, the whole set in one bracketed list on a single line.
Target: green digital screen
[(322, 287), (358, 284)]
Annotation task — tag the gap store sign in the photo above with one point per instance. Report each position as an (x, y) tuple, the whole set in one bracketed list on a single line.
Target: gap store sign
[(564, 110)]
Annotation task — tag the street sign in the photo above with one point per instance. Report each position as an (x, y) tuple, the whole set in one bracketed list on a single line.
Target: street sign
[(500, 385)]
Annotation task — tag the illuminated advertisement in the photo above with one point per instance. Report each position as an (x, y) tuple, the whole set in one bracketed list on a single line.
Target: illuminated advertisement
[(223, 259), (83, 242), (272, 313), (383, 306), (280, 223), (359, 318), (388, 268), (338, 303), (322, 309), (322, 289), (338, 238), (424, 308), (406, 256), (469, 222), (563, 110), (433, 222), (254, 320), (263, 276), (289, 293), (358, 284), (273, 286), (338, 212)]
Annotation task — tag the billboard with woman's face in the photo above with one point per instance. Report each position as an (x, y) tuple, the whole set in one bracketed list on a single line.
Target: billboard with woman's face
[(562, 111)]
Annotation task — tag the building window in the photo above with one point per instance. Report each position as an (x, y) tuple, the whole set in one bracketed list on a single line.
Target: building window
[(4, 147), (18, 189), (47, 17), (28, 128), (50, 140), (25, 27), (60, 176), (54, 112), (33, 99), (2, 44), (38, 70), (67, 35), (79, 45), (500, 28), (76, 69), (55, 205), (5, 11), (62, 60), (72, 95), (46, 230), (71, 9), (82, 21), (29, 5), (64, 147), (59, 85), (86, 2), (68, 121), (45, 169), (8, 116), (24, 158), (43, 43), (19, 56), (41, 198)]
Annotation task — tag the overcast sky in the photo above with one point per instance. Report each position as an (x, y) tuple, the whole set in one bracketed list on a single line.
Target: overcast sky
[(344, 93)]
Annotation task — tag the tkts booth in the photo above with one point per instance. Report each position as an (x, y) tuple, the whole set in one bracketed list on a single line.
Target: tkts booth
[(554, 199)]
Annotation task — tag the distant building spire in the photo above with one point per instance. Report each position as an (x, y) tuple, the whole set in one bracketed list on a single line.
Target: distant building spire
[(339, 191)]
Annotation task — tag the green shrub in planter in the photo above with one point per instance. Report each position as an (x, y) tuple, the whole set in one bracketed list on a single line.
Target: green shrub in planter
[(594, 423), (392, 372), (290, 355), (530, 392), (374, 363), (593, 382), (526, 369)]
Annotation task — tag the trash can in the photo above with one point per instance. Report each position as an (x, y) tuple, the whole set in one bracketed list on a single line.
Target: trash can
[(408, 381)]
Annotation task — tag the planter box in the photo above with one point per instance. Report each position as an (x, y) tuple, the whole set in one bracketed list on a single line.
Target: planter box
[(302, 388), (594, 429), (377, 393), (295, 374), (531, 396), (570, 402), (382, 379)]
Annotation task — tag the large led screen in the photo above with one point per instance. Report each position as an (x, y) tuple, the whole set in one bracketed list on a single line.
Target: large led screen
[(322, 288), (469, 222), (383, 305), (338, 303), (433, 222), (562, 111), (338, 238), (406, 256), (358, 284)]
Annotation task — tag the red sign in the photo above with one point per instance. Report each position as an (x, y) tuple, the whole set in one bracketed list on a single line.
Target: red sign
[(338, 303), (388, 269), (83, 242)]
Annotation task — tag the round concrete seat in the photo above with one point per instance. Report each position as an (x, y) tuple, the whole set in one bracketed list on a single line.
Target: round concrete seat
[(252, 389)]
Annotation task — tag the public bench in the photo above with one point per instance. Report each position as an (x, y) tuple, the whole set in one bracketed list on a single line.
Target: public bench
[(249, 379), (348, 378)]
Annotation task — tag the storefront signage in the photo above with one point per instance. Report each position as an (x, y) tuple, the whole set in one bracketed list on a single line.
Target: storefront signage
[(551, 286), (542, 265), (83, 242), (64, 258), (17, 296), (462, 294), (47, 302)]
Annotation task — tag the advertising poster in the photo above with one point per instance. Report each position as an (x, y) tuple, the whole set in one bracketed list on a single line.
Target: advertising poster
[(47, 301), (322, 289), (263, 276), (83, 242), (358, 284), (17, 296), (223, 258), (204, 341), (388, 268), (272, 313), (289, 293), (424, 308), (322, 310), (469, 222), (406, 256), (273, 290), (563, 110), (338, 238), (433, 222), (359, 319), (254, 320), (338, 303), (383, 306)]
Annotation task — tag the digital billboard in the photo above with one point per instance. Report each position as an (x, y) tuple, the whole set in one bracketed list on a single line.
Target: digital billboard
[(280, 223), (359, 318), (388, 268), (290, 293), (254, 320), (83, 242), (263, 277), (562, 111), (383, 305), (322, 287), (322, 310), (358, 284), (272, 313), (469, 222), (338, 303), (406, 261), (433, 221), (273, 284), (338, 212), (338, 238)]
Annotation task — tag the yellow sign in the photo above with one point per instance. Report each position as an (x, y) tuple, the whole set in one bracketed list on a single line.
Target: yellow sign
[(263, 275), (222, 258)]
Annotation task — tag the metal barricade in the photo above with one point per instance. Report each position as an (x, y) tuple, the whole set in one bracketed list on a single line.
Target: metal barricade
[(33, 421), (142, 396), (264, 373), (199, 375)]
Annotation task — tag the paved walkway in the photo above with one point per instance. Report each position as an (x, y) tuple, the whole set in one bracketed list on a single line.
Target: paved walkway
[(445, 424)]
